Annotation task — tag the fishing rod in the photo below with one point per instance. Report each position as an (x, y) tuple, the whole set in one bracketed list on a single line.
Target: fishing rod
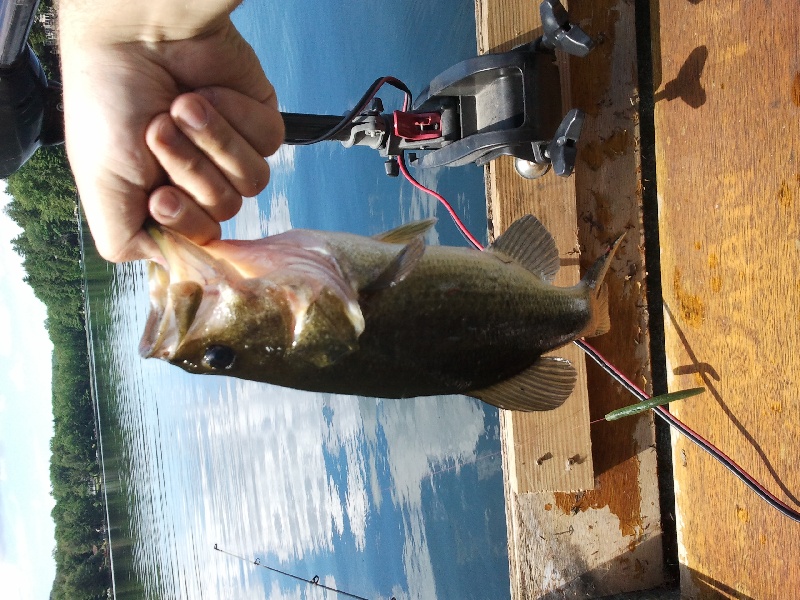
[(314, 581)]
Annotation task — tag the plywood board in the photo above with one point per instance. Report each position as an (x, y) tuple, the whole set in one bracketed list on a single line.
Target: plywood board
[(728, 146), (608, 539)]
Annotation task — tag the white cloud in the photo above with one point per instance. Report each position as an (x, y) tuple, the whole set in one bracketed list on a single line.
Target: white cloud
[(283, 160), (252, 224), (446, 429), (20, 570), (279, 217), (247, 223), (5, 326)]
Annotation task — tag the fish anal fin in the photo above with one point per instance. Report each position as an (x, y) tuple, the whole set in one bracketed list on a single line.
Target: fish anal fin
[(399, 268), (406, 233), (529, 243), (545, 385)]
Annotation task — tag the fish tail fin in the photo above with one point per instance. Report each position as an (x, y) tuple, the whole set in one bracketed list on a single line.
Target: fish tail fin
[(594, 283)]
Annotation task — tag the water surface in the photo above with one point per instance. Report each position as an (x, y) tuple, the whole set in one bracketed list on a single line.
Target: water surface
[(379, 498)]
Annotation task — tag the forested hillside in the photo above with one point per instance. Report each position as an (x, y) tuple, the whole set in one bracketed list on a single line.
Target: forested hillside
[(44, 206)]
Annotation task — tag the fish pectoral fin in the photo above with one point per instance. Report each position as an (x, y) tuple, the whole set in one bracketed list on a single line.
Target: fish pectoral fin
[(407, 232), (529, 243), (400, 266), (545, 385), (328, 332)]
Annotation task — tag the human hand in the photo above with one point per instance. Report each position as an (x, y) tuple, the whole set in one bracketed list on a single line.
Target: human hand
[(171, 123)]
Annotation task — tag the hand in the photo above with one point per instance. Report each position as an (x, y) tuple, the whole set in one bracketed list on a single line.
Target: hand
[(166, 121)]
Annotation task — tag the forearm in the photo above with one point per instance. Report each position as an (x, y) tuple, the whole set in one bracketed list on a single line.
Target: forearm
[(149, 21)]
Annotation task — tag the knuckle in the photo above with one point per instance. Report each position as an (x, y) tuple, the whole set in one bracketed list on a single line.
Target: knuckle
[(227, 206)]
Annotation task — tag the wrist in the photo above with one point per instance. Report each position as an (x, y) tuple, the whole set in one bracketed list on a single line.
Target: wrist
[(83, 22)]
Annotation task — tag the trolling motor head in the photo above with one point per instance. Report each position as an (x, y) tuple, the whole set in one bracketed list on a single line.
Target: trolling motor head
[(31, 112), (498, 104)]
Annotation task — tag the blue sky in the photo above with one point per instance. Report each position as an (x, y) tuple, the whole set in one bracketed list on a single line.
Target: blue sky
[(26, 426)]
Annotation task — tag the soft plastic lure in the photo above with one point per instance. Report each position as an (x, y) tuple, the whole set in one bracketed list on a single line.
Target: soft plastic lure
[(635, 409)]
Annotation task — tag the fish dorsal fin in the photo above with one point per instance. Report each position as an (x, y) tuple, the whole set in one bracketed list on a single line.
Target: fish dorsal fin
[(400, 267), (545, 385), (529, 243), (407, 232)]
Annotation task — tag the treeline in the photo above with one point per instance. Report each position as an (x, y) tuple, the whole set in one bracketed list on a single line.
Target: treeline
[(44, 206)]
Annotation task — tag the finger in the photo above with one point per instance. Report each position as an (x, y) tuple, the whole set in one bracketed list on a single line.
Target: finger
[(173, 208), (191, 170), (233, 155), (261, 124)]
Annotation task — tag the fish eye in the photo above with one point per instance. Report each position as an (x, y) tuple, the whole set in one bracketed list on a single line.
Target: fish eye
[(219, 357)]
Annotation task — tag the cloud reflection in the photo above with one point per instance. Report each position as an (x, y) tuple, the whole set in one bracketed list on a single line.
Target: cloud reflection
[(271, 444), (264, 471)]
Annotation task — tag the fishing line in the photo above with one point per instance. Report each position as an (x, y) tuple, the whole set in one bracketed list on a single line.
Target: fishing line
[(314, 581)]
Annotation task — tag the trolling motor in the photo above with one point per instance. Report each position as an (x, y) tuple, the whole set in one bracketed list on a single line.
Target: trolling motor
[(31, 111), (482, 108)]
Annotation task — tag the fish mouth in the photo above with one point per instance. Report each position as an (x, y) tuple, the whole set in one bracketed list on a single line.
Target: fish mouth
[(192, 287), (177, 287)]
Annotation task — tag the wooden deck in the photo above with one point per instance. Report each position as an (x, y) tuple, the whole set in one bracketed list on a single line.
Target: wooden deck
[(728, 158), (727, 152), (602, 535)]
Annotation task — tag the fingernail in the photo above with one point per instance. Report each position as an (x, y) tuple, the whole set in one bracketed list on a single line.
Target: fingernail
[(167, 205), (194, 114), (209, 94)]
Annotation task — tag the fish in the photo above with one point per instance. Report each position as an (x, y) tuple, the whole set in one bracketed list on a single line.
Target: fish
[(384, 316)]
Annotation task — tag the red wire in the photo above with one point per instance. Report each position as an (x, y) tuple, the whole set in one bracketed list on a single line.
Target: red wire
[(690, 433), (463, 228)]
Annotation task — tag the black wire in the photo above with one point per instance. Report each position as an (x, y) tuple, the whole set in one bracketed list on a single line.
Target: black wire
[(360, 107), (715, 452)]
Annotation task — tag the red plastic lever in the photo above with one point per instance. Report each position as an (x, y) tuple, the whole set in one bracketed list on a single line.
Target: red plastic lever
[(417, 126)]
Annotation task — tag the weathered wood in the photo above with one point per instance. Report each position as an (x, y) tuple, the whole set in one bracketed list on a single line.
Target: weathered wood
[(606, 540), (561, 434), (728, 146)]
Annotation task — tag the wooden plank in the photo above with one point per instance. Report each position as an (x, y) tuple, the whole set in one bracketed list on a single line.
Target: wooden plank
[(728, 146), (606, 540), (562, 434)]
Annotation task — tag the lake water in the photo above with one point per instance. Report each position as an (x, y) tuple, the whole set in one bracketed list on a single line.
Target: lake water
[(379, 498)]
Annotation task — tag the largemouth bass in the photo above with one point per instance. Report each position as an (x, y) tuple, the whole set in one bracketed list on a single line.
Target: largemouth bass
[(384, 317)]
